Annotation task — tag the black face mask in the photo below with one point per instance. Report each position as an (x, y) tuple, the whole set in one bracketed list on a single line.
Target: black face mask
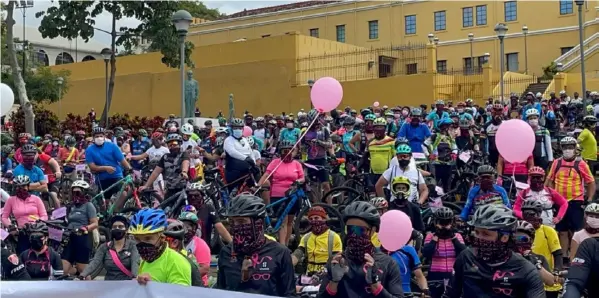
[(174, 151), (403, 163), (37, 242), (117, 234)]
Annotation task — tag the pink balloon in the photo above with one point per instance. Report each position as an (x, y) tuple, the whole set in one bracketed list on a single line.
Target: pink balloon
[(515, 140), (326, 94), (395, 231), (247, 131), (376, 104)]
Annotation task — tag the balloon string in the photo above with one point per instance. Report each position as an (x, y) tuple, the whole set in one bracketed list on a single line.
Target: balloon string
[(288, 153)]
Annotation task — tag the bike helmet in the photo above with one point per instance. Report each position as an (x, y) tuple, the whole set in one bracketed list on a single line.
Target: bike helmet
[(454, 115), (536, 171), (28, 148), (70, 141), (98, 130), (445, 121), (246, 205), (443, 213), (289, 119), (261, 119), (592, 208), (173, 137), (402, 140), (532, 112), (285, 144), (195, 186), (461, 104), (389, 114), (187, 129), (493, 217), (370, 117), (119, 217), (464, 123), (221, 130), (525, 227), (403, 149), (80, 184), (37, 227), (400, 180), (498, 107), (485, 170), (379, 203), (189, 216), (416, 112), (440, 102), (304, 125), (364, 211), (313, 114), (175, 229), (568, 141), (380, 122), (590, 119), (236, 122), (349, 120), (24, 135), (142, 132), (22, 180), (148, 221)]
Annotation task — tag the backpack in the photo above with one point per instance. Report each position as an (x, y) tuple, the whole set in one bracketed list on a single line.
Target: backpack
[(330, 243), (411, 261), (576, 167), (443, 145)]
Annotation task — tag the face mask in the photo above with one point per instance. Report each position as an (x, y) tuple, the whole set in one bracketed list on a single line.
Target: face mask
[(247, 238), (237, 133), (174, 151), (36, 242), (156, 143), (486, 184), (377, 114), (497, 120), (189, 235), (318, 226), (79, 199), (536, 184), (22, 193), (55, 144), (403, 163), (379, 134), (99, 141), (117, 234), (287, 158), (534, 122), (28, 161), (415, 122), (369, 129), (593, 222), (568, 154), (534, 220), (289, 125), (523, 247), (492, 252), (150, 252), (357, 246), (444, 233)]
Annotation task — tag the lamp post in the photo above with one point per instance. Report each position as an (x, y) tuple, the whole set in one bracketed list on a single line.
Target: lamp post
[(525, 32), (559, 67), (23, 5), (59, 81), (431, 38), (182, 19), (106, 55), (486, 58), (580, 3), (471, 39), (501, 30), (436, 41), (310, 84)]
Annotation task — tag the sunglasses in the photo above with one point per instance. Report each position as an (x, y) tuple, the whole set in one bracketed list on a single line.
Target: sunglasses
[(77, 193), (523, 239), (357, 230), (404, 156)]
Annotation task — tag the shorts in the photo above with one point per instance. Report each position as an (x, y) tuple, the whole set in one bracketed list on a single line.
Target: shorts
[(279, 208), (321, 175), (54, 186), (106, 183), (574, 218), (79, 249)]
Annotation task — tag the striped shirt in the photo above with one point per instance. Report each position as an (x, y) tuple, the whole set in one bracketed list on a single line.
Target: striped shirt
[(567, 181), (445, 255)]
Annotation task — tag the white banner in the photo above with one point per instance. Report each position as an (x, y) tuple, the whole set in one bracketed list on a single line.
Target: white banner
[(109, 289)]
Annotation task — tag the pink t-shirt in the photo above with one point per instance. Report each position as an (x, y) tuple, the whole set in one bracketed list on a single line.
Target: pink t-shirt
[(284, 176), (22, 209), (201, 251), (582, 235), (518, 168)]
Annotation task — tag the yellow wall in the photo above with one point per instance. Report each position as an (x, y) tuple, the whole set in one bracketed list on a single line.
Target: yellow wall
[(544, 28), (574, 83), (591, 63)]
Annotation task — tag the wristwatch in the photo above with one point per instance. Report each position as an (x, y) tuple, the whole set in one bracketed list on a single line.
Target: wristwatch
[(539, 266)]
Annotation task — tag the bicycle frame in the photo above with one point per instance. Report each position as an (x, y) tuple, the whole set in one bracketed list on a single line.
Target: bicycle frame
[(292, 198), (127, 180)]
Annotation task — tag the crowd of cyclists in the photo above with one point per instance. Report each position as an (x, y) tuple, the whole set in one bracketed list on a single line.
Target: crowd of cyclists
[(291, 204)]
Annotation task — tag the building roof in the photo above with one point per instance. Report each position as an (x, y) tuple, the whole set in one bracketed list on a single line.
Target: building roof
[(34, 37), (277, 8)]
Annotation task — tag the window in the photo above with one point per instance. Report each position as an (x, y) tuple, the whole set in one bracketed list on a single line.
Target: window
[(481, 15), (412, 68), (566, 49), (510, 11), (512, 61), (481, 62), (341, 33), (566, 7), (373, 29), (467, 17), (410, 24), (442, 66), (440, 20), (314, 32), (468, 67)]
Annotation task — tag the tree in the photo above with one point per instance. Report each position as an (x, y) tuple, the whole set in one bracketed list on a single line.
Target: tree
[(197, 9), (549, 71), (19, 83)]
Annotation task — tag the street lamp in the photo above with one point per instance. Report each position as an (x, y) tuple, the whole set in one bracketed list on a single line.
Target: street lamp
[(580, 3), (471, 39), (182, 19), (23, 5), (59, 81), (559, 67), (310, 84), (486, 58), (525, 31), (501, 30), (106, 55), (431, 37)]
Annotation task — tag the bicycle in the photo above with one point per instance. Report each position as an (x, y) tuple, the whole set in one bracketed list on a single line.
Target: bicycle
[(295, 193)]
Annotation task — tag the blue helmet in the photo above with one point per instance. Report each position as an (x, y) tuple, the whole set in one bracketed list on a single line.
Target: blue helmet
[(445, 121), (148, 221)]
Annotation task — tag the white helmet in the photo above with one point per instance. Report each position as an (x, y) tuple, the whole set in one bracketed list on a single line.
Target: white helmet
[(539, 95), (562, 92), (195, 186), (532, 112), (221, 130), (80, 184), (592, 208), (187, 129)]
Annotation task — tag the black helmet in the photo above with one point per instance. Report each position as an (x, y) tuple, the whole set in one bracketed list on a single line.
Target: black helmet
[(364, 211), (37, 227), (28, 148), (119, 217), (534, 205), (70, 141), (285, 144), (443, 213), (175, 229), (525, 227), (493, 217), (349, 121), (485, 170), (246, 205), (98, 130), (208, 122)]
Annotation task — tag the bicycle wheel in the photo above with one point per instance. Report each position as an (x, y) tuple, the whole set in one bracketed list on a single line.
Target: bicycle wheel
[(335, 221), (344, 196)]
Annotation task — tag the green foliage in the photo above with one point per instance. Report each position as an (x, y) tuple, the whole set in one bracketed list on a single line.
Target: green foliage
[(197, 9), (45, 121), (549, 71), (42, 83)]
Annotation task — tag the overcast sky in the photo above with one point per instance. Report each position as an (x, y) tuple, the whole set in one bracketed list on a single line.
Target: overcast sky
[(103, 21)]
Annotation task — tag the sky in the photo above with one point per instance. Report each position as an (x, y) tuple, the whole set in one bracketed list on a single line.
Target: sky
[(103, 21)]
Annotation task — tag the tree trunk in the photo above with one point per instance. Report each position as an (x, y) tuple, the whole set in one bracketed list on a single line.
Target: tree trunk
[(108, 102), (14, 67)]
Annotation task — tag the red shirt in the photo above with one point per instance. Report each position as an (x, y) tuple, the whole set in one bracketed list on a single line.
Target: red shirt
[(43, 160)]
